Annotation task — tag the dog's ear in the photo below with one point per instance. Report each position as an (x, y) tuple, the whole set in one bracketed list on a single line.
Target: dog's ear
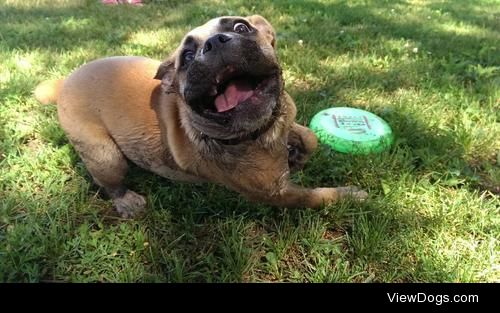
[(265, 27), (166, 73)]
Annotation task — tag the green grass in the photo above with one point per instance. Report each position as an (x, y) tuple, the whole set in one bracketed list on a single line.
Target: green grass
[(430, 68)]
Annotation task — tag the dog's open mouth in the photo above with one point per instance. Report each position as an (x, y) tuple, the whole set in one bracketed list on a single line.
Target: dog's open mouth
[(232, 88)]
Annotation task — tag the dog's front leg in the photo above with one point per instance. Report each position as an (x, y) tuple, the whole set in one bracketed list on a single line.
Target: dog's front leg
[(301, 144), (292, 195), (281, 192)]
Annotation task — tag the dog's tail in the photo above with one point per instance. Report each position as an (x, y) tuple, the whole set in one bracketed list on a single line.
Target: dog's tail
[(48, 91)]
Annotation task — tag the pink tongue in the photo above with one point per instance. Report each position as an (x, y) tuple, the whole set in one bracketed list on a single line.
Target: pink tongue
[(236, 92)]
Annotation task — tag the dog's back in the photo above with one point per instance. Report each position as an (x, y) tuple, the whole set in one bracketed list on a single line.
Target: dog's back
[(106, 108)]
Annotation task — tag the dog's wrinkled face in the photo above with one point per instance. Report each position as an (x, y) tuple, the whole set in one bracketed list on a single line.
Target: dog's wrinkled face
[(227, 73)]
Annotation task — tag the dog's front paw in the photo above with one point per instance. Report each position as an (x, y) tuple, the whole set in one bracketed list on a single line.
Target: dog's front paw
[(296, 157), (353, 192), (130, 205)]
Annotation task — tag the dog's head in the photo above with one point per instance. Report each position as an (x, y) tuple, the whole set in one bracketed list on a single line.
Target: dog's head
[(227, 74)]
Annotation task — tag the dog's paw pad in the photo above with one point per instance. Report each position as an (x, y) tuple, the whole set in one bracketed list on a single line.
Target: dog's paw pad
[(130, 205)]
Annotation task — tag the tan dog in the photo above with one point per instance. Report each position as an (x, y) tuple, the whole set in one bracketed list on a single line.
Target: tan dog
[(215, 111)]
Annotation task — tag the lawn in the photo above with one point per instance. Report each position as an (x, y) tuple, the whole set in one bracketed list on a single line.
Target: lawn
[(431, 69)]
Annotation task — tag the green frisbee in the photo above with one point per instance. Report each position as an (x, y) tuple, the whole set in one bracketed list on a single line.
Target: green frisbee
[(353, 131)]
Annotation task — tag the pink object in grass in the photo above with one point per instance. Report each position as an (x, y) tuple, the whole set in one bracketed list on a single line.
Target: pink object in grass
[(113, 2)]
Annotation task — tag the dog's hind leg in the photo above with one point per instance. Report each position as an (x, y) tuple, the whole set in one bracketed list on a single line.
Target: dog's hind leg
[(107, 165), (301, 144)]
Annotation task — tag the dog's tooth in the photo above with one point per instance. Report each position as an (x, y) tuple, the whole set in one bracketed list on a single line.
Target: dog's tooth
[(213, 91)]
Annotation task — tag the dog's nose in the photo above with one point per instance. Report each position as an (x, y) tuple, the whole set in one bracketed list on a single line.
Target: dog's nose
[(215, 42)]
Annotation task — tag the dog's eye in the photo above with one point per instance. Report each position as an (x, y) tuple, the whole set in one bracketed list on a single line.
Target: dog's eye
[(241, 28), (187, 56)]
